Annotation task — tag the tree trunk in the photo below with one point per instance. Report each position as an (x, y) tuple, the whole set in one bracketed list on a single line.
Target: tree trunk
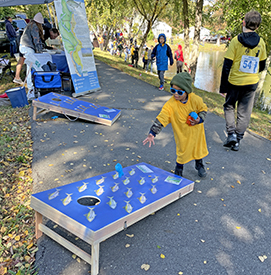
[(144, 39), (186, 31), (218, 40), (107, 37), (262, 79), (195, 47)]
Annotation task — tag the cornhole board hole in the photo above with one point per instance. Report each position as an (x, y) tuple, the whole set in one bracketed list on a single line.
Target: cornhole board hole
[(96, 208), (70, 106)]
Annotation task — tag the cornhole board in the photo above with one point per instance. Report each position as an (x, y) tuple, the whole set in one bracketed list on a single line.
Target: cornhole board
[(70, 106), (96, 208)]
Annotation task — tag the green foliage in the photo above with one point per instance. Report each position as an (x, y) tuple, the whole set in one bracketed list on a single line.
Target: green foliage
[(150, 35), (234, 12)]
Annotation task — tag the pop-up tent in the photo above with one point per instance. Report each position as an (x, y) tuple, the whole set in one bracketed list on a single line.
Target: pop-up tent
[(8, 3)]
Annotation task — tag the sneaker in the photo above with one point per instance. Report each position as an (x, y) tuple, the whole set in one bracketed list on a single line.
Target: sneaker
[(18, 81), (178, 171), (231, 140), (31, 95), (200, 167), (161, 88), (235, 147)]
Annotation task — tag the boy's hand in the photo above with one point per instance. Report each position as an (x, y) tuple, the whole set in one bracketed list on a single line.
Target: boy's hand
[(194, 121), (149, 139)]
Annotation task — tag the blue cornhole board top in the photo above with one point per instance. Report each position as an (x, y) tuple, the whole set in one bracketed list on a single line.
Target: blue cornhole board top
[(104, 214), (62, 102)]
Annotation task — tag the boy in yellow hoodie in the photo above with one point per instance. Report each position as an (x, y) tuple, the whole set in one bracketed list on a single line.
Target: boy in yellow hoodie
[(186, 112)]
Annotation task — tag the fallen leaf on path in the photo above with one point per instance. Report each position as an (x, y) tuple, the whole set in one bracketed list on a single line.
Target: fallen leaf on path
[(239, 182), (127, 245), (238, 227), (145, 267), (162, 256), (130, 235)]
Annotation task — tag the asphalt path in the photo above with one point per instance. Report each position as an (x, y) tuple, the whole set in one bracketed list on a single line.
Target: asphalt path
[(222, 227)]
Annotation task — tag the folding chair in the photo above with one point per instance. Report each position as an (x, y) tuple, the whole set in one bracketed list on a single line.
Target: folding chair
[(5, 69)]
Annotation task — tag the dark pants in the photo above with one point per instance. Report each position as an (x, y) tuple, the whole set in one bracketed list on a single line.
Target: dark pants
[(13, 47), (244, 97), (179, 66), (161, 77)]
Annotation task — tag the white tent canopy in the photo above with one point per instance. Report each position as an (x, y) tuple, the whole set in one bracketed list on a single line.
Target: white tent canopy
[(8, 3)]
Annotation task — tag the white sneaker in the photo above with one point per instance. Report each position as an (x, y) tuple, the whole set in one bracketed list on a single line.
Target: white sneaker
[(31, 94), (18, 81)]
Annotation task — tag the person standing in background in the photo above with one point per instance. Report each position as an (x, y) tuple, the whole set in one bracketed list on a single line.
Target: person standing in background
[(31, 42), (243, 61), (11, 34), (178, 55), (162, 53)]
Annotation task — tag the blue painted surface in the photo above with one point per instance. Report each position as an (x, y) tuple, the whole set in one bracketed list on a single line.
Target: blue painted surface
[(79, 105), (105, 215)]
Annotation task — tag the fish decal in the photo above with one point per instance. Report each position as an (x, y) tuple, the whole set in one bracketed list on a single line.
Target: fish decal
[(153, 189), (128, 207), (132, 172), (155, 179), (129, 193), (126, 181), (91, 214), (112, 203), (99, 191), (142, 198), (100, 181), (116, 175), (115, 187), (54, 195), (67, 200), (142, 181), (83, 187)]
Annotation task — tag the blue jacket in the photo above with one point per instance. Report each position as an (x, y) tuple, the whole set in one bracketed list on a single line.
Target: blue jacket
[(10, 31), (162, 54)]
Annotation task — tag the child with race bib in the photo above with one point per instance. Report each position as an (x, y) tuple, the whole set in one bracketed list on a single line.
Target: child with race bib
[(244, 59)]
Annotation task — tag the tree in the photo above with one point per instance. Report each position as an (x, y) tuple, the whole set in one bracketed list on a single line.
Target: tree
[(150, 10), (195, 47), (234, 12)]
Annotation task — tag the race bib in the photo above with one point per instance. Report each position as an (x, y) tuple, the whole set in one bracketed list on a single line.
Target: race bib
[(249, 64)]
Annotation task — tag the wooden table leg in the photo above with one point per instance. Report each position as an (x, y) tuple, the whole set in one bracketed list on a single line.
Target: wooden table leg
[(95, 250), (38, 220), (34, 113)]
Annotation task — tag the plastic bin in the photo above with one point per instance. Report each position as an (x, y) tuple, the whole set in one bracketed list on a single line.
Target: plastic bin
[(17, 97)]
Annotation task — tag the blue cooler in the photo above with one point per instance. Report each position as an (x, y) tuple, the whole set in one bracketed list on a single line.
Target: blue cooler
[(17, 97)]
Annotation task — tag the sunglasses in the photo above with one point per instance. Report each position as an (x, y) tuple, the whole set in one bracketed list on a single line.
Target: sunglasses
[(173, 91)]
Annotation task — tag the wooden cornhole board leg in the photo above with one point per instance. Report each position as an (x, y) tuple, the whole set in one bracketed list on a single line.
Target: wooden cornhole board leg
[(92, 259)]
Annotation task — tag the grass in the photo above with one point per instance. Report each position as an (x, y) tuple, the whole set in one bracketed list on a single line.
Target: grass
[(260, 122)]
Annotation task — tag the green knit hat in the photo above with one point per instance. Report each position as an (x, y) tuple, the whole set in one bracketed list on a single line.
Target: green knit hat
[(183, 81)]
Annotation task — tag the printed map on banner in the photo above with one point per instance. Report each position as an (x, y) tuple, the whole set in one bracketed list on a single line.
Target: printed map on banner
[(74, 30)]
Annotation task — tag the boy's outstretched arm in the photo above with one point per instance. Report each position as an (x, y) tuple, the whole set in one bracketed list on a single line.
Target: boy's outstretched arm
[(155, 129)]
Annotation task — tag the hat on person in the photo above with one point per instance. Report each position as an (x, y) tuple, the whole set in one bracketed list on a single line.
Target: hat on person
[(183, 81), (38, 18)]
